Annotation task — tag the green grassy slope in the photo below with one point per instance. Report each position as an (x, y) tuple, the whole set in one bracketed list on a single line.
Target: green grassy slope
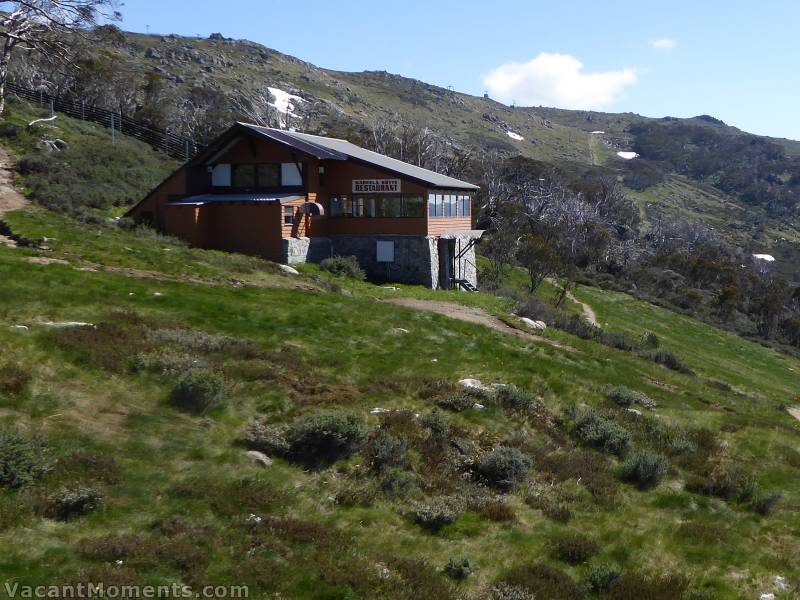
[(322, 349)]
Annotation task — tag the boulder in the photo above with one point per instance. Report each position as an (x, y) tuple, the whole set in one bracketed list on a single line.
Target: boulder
[(769, 596), (536, 325), (18, 328), (152, 53), (260, 458), (289, 270), (60, 144)]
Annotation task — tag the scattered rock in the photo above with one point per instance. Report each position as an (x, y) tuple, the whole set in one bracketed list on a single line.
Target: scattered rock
[(390, 288), (399, 330), (18, 328), (157, 294), (289, 270), (152, 53), (634, 411), (781, 584), (260, 458), (769, 596), (478, 406), (65, 324), (536, 325), (60, 144), (379, 411), (45, 260), (216, 36), (254, 519)]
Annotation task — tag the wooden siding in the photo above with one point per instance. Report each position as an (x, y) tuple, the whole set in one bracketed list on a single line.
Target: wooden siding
[(438, 225)]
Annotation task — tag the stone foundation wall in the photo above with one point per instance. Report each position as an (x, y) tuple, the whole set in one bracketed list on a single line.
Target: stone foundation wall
[(303, 249)]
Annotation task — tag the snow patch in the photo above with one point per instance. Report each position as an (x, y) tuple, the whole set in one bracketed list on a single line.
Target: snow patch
[(627, 155), (285, 103), (766, 257), (598, 132), (515, 136)]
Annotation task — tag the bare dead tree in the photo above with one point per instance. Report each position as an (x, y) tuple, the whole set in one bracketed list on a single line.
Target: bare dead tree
[(256, 106), (45, 26)]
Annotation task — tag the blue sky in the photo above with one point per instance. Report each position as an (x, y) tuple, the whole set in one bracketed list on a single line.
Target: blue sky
[(736, 60)]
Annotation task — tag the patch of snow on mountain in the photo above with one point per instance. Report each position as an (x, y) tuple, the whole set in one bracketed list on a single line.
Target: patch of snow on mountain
[(515, 136), (766, 257), (284, 102), (627, 155), (598, 132)]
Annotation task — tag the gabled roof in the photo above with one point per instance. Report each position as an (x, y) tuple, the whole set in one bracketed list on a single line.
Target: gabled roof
[(338, 149), (201, 199)]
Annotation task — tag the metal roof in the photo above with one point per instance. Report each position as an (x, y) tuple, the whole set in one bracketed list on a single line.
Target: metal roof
[(338, 149), (216, 198)]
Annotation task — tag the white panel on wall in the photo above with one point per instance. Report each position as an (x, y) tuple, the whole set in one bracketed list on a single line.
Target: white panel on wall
[(221, 176), (290, 174), (385, 251)]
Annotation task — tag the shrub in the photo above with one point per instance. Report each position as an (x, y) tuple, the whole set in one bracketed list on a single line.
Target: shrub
[(667, 359), (650, 340), (644, 469), (624, 396), (14, 379), (503, 591), (601, 578), (166, 362), (436, 513), (577, 325), (196, 340), (260, 435), (602, 433), (363, 494), (573, 549), (343, 266), (459, 568), (197, 391), (617, 340), (397, 483), (435, 422), (504, 467), (511, 397), (69, 503), (635, 586), (457, 402), (543, 581), (325, 436), (765, 502), (23, 459), (499, 511), (729, 483), (384, 450)]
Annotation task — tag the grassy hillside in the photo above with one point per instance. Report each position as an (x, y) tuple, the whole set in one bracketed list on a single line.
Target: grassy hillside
[(181, 500)]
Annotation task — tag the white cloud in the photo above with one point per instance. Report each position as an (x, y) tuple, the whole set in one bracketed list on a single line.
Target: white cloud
[(665, 44), (556, 80)]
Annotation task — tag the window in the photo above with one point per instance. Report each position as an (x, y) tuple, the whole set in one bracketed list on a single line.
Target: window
[(288, 215), (244, 176), (221, 176), (450, 205), (413, 206), (435, 205), (291, 175), (465, 208), (336, 206), (268, 176)]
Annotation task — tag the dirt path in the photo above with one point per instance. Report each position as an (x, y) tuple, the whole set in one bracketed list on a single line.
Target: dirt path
[(472, 315), (588, 311), (10, 198)]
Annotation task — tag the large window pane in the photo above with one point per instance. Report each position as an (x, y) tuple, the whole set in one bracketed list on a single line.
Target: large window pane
[(466, 206), (413, 206), (269, 176), (244, 176), (336, 206), (347, 207), (431, 205)]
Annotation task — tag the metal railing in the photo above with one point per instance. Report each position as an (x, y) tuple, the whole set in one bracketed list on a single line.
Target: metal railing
[(173, 145)]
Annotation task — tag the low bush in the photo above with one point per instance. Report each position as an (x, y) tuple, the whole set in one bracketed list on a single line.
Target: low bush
[(635, 586), (667, 359), (573, 549), (436, 423), (400, 484), (69, 503), (384, 450), (459, 568), (458, 401), (644, 469), (764, 503), (197, 391), (324, 437), (624, 396), (196, 340), (602, 433), (14, 379), (23, 459), (504, 468), (503, 591), (543, 581), (513, 398), (498, 511), (600, 578), (729, 482), (577, 325), (437, 512), (166, 362), (265, 437), (343, 266), (357, 494), (650, 340)]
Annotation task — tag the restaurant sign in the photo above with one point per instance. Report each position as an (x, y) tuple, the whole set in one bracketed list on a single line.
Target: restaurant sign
[(361, 186)]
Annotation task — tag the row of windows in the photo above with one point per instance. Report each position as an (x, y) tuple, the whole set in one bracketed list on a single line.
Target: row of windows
[(257, 176), (378, 206), (449, 205)]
